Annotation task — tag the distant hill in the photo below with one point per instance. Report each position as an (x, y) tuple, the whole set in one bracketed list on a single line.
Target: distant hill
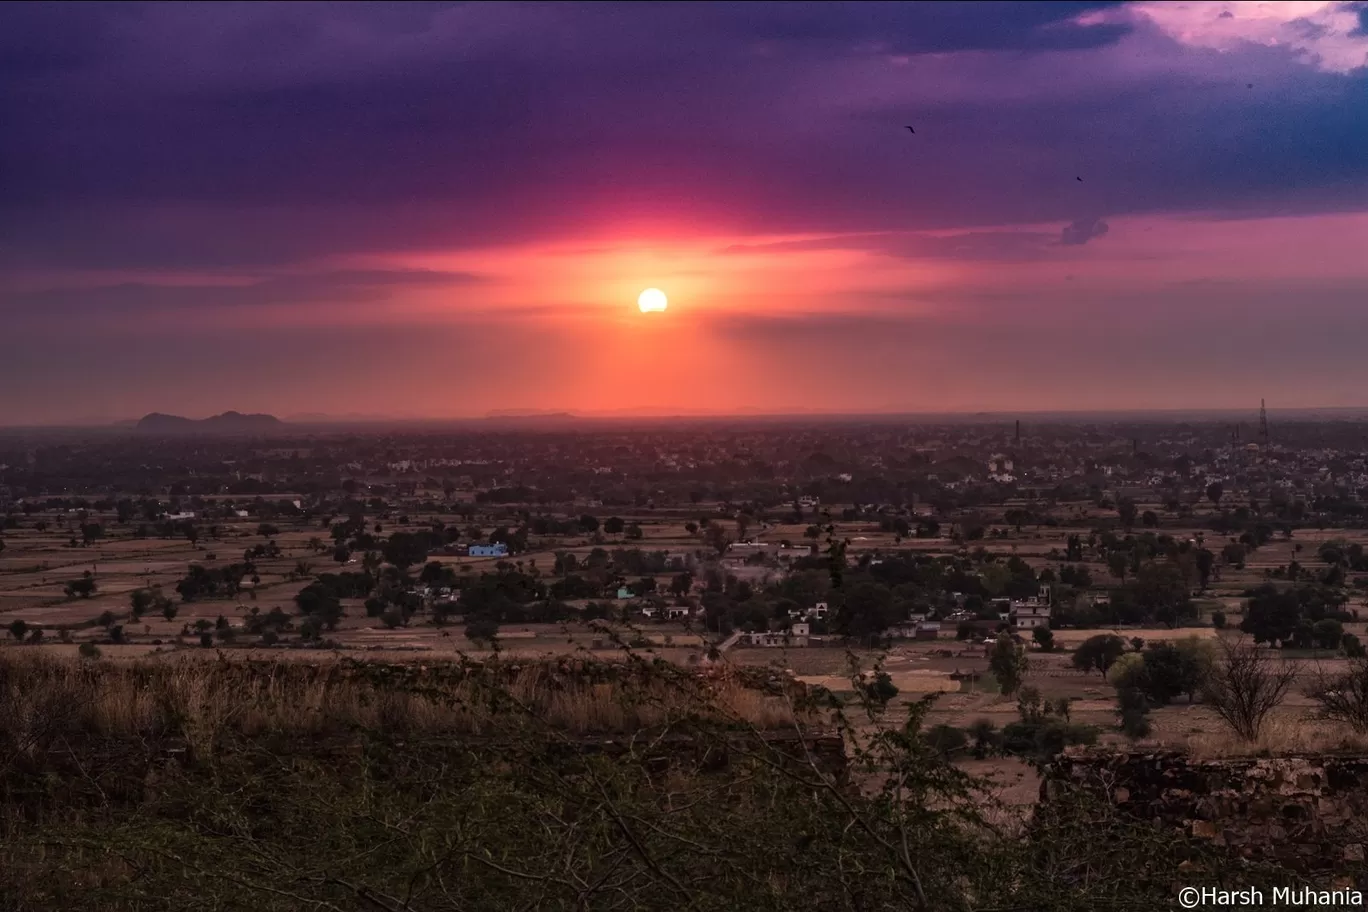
[(529, 413), (528, 419), (227, 423)]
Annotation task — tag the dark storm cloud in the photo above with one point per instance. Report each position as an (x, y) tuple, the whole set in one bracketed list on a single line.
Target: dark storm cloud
[(205, 135)]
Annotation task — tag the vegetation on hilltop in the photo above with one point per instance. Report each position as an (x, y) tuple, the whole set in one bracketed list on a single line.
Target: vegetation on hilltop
[(218, 785)]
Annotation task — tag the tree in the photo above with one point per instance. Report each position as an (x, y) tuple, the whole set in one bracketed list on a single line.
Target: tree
[(90, 532), (1098, 652), (613, 525), (404, 549), (140, 600), (1246, 686), (1044, 638), (867, 610), (84, 587), (169, 610), (1218, 619), (1172, 669), (1008, 664), (18, 628), (1149, 519), (1205, 560), (633, 532), (266, 530), (717, 538), (1162, 594), (1353, 648), (1116, 564), (1327, 633), (1271, 615), (588, 524), (1126, 510), (1214, 492)]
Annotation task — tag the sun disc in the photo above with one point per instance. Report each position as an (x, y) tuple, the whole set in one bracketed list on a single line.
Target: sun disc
[(652, 300)]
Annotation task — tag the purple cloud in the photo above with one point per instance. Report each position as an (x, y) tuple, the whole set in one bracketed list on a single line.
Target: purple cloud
[(1080, 231)]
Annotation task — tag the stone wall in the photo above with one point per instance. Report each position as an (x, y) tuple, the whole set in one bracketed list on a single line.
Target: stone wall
[(1308, 813)]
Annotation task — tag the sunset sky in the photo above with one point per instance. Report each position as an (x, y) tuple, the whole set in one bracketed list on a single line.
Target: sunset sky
[(442, 209)]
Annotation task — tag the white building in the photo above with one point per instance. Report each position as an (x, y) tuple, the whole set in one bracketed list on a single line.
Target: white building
[(1031, 613)]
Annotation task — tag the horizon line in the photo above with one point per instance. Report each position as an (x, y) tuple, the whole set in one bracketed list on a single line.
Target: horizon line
[(514, 415)]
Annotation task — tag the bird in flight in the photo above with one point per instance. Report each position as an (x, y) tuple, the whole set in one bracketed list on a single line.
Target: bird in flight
[(910, 130), (1078, 179), (1249, 85)]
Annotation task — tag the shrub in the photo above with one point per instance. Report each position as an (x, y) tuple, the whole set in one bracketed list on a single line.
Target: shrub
[(1218, 619), (985, 735), (1246, 687), (1044, 638), (89, 650), (946, 739), (1344, 697), (1133, 707), (877, 688), (1042, 729)]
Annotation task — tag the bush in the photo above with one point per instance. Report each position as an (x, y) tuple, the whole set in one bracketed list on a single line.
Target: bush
[(877, 687), (1042, 729), (985, 735), (1352, 646), (1246, 687), (481, 631), (1044, 638), (1344, 697), (1218, 619), (1133, 707), (89, 650), (946, 739)]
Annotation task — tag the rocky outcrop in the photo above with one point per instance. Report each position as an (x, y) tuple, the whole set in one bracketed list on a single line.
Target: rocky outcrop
[(1307, 813)]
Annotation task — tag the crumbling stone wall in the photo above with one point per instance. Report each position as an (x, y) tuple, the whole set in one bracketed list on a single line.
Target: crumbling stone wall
[(1309, 813)]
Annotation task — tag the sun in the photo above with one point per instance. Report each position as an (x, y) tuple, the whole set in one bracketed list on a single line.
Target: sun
[(652, 299)]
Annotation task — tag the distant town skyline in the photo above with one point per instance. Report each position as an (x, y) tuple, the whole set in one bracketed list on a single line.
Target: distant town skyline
[(442, 210)]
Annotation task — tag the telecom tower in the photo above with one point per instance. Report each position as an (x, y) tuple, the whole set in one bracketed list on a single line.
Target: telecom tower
[(1263, 424)]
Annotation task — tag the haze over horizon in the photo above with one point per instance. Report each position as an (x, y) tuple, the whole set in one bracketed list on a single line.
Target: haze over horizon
[(443, 210)]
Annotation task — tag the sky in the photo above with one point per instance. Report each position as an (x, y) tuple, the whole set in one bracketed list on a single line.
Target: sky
[(439, 210)]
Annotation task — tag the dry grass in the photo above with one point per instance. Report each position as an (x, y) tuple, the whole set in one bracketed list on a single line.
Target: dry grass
[(197, 700), (1280, 735)]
